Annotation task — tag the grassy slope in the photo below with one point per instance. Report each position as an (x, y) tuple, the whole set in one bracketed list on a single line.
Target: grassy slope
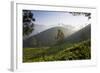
[(77, 51)]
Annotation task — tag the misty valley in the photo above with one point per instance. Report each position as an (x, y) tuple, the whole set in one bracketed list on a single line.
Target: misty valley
[(68, 39), (46, 47)]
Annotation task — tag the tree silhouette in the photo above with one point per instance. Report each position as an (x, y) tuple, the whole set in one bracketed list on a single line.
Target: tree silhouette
[(81, 13), (60, 36), (28, 25)]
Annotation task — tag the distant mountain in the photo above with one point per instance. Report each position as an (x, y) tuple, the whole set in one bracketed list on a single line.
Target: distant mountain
[(40, 28), (47, 37), (81, 35)]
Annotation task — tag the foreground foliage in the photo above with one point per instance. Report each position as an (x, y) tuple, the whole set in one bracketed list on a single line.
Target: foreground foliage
[(73, 51)]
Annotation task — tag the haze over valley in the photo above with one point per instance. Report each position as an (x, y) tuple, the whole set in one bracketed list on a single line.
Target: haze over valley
[(56, 36)]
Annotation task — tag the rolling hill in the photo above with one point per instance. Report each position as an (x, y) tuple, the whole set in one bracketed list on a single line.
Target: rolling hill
[(78, 51), (76, 46), (47, 37), (81, 35)]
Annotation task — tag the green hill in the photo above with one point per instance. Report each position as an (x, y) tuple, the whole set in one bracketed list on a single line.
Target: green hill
[(76, 46), (78, 51), (46, 38), (81, 35)]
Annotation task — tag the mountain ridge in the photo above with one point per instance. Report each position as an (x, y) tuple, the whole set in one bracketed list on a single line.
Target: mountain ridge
[(48, 37)]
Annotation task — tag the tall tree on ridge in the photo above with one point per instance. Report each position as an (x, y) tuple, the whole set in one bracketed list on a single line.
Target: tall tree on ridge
[(60, 36)]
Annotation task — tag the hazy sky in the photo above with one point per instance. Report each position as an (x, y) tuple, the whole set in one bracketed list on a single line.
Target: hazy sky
[(51, 18), (48, 19)]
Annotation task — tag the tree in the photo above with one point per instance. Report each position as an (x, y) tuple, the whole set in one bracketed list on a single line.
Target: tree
[(60, 36), (81, 13), (28, 25)]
